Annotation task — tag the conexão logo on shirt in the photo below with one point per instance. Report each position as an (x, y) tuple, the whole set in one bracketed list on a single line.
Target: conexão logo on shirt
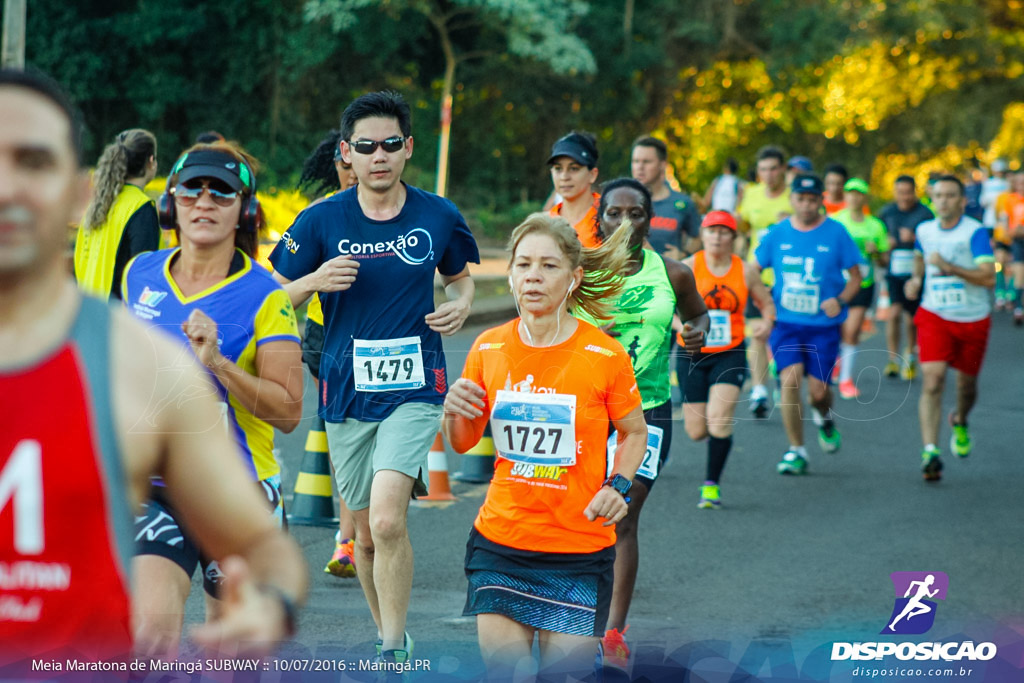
[(409, 247), (290, 244)]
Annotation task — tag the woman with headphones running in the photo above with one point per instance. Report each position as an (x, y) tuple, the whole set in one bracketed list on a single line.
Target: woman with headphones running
[(121, 221), (541, 552), (655, 288), (711, 377), (239, 322)]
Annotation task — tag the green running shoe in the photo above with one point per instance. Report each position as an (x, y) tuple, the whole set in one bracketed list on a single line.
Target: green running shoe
[(960, 442), (829, 437), (710, 496), (931, 465), (792, 463)]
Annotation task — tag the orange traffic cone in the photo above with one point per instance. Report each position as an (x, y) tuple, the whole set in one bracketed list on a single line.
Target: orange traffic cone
[(437, 465)]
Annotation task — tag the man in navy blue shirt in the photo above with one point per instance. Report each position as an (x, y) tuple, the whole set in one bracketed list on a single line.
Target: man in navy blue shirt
[(809, 253), (371, 252)]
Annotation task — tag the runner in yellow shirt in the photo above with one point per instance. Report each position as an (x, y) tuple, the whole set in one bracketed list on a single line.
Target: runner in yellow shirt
[(763, 205)]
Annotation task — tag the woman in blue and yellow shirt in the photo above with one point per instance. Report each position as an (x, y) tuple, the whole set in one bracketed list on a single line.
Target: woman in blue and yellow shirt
[(239, 322)]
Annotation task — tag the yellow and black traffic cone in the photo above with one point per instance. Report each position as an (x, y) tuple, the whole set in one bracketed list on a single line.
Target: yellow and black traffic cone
[(478, 461), (313, 503), (437, 466)]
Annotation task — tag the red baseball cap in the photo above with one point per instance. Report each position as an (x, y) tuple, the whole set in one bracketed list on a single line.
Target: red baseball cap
[(723, 218)]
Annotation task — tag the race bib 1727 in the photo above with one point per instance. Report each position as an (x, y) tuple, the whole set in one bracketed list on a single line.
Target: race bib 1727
[(537, 429)]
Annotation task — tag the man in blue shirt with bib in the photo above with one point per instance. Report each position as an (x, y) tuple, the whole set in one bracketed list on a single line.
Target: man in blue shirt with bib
[(809, 254), (371, 252)]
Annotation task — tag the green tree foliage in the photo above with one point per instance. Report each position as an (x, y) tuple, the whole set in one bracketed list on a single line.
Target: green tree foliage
[(873, 83)]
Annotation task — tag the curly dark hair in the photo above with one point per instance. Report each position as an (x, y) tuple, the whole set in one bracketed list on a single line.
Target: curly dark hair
[(318, 173)]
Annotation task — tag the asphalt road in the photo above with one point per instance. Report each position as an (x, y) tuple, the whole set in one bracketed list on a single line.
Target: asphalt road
[(761, 588)]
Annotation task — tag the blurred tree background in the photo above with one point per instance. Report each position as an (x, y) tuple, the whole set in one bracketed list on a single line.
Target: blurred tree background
[(884, 86)]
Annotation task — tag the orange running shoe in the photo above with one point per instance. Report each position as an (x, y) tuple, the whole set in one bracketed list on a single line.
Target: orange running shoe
[(343, 562), (847, 389), (613, 645)]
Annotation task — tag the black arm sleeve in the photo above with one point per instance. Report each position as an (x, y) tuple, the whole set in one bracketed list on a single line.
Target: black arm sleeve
[(141, 234)]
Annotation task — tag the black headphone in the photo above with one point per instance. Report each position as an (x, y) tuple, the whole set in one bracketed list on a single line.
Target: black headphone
[(249, 217)]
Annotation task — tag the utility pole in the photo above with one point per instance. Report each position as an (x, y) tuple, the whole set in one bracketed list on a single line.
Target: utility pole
[(443, 144), (13, 56)]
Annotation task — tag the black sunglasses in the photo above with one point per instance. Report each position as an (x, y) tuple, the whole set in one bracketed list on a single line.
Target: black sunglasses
[(392, 144)]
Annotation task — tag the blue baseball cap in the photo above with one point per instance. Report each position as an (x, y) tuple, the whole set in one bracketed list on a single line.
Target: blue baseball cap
[(807, 184), (801, 164)]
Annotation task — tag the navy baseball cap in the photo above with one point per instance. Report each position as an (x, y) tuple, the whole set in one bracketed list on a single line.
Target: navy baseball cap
[(576, 147), (807, 184), (213, 163), (801, 164)]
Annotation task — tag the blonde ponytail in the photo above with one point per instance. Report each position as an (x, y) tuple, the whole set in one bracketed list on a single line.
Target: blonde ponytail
[(602, 266), (124, 158)]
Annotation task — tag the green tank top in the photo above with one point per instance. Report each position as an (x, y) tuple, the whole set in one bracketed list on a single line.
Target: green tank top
[(643, 319)]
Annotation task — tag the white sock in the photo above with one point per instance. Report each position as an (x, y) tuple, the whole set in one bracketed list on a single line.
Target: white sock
[(818, 418), (931, 447), (758, 391), (337, 536), (799, 450), (846, 352)]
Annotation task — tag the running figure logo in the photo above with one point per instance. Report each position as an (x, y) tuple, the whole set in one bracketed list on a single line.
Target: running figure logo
[(914, 613)]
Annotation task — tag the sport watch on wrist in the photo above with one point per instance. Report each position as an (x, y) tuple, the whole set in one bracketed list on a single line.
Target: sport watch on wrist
[(620, 484)]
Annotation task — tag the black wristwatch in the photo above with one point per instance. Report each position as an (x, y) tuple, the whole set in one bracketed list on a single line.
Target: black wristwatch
[(620, 484), (287, 606)]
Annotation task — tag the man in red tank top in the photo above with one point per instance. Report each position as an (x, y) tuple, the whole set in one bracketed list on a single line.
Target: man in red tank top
[(91, 406)]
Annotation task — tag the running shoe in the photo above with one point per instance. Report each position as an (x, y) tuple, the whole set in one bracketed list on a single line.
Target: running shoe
[(847, 389), (909, 370), (614, 648), (829, 437), (1018, 316), (343, 563), (892, 369), (792, 463), (931, 465), (710, 496), (395, 661), (960, 442), (759, 407)]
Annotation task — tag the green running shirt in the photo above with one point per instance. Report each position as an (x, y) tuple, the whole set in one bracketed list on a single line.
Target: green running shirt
[(643, 319)]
